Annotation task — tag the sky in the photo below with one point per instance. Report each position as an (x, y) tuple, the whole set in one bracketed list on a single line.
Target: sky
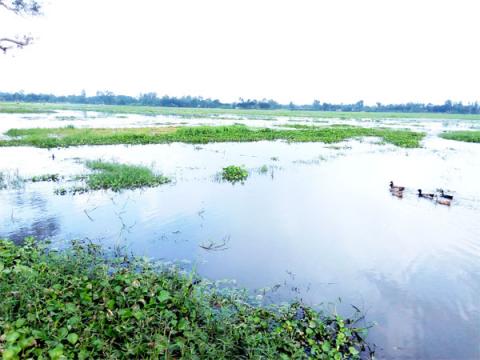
[(298, 50)]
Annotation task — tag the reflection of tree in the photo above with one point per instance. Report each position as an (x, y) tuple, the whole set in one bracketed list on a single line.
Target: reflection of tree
[(41, 230), (429, 315)]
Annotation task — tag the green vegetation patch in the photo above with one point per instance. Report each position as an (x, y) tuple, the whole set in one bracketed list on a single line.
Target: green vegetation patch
[(46, 177), (81, 304), (234, 174), (467, 136), (114, 176), (64, 137)]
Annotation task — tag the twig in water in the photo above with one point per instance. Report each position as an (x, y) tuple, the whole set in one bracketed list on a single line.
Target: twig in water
[(220, 246)]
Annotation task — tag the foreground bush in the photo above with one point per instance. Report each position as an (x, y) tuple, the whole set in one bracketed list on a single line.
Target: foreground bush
[(81, 304)]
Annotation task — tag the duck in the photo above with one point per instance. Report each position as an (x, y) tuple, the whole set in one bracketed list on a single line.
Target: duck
[(441, 201), (445, 196), (426, 196), (396, 188), (396, 193)]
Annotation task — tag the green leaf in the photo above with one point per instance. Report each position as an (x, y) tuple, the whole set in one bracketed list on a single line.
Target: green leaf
[(72, 338), (353, 351), (9, 354), (62, 332), (12, 337), (326, 346), (163, 296), (57, 353)]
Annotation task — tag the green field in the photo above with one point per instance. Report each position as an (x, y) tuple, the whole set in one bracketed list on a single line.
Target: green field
[(70, 136), (197, 112)]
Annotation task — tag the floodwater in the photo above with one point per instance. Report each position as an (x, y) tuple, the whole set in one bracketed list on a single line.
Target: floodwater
[(319, 224)]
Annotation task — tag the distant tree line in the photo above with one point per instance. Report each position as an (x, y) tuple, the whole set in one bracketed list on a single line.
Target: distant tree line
[(151, 99)]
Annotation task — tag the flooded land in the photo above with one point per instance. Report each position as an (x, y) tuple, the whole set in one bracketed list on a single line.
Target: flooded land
[(289, 207)]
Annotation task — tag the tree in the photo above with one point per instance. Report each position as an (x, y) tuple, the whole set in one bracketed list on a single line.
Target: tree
[(19, 7)]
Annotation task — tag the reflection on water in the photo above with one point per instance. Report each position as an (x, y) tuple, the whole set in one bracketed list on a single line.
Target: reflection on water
[(319, 225)]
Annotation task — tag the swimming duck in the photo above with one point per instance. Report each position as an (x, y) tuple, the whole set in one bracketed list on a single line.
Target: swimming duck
[(443, 201), (445, 196), (426, 196), (396, 193), (396, 188)]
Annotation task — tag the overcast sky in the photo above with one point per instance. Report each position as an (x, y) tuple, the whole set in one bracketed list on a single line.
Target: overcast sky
[(297, 50)]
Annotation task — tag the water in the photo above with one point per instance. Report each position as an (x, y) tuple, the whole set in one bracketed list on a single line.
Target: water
[(319, 225)]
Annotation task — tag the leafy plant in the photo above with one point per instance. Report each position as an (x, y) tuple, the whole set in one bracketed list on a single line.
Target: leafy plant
[(234, 174), (81, 303)]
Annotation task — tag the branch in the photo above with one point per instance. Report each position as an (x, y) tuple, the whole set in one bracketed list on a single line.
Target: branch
[(6, 43), (31, 7)]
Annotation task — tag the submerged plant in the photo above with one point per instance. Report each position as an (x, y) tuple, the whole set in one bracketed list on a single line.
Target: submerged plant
[(263, 169), (234, 174), (82, 304)]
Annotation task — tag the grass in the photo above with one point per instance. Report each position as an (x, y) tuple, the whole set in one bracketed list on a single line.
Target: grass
[(116, 177), (234, 174), (467, 136), (79, 303), (64, 137), (11, 180), (196, 112)]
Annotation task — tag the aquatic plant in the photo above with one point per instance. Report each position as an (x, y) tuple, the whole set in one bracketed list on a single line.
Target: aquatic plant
[(11, 180), (115, 176), (263, 169), (64, 137), (467, 136), (85, 304), (45, 177), (234, 174)]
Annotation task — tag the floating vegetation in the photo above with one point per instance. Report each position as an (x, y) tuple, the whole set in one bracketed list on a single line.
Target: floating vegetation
[(82, 303), (46, 177), (65, 118), (339, 147), (113, 176), (234, 174), (274, 158), (467, 136), (116, 177), (64, 137)]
